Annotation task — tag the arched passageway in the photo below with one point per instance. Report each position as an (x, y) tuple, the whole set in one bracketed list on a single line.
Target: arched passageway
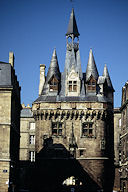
[(54, 168)]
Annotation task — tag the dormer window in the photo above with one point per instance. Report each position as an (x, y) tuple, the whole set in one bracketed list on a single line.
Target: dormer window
[(53, 84), (72, 86), (91, 85)]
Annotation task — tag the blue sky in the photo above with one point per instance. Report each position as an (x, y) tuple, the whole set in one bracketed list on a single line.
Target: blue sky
[(33, 28)]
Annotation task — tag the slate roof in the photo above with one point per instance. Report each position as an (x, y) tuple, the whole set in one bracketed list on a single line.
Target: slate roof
[(73, 60), (5, 75), (88, 98), (26, 112), (91, 67), (53, 70), (106, 75), (72, 26)]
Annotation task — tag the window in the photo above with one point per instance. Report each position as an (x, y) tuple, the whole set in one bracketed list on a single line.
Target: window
[(81, 152), (72, 86), (32, 156), (87, 129), (91, 86), (53, 84), (57, 128), (32, 126), (119, 122), (32, 139), (102, 144)]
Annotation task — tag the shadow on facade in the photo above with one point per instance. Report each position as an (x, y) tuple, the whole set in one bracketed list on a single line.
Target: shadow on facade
[(53, 168), (52, 171)]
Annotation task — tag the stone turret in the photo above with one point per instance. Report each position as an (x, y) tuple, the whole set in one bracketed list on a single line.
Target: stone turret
[(74, 121)]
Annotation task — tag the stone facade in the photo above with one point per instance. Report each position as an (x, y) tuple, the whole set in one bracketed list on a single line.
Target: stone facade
[(91, 151), (9, 125), (27, 134), (74, 123), (117, 132), (27, 147), (124, 140)]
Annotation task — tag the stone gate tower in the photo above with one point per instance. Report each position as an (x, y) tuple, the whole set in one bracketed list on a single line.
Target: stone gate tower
[(74, 123)]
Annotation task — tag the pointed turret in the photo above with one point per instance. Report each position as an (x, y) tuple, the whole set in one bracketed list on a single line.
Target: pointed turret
[(53, 71), (91, 67), (106, 75), (72, 26), (53, 68)]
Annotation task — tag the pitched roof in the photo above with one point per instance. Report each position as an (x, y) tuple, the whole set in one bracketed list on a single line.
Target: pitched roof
[(91, 67), (106, 75), (72, 26)]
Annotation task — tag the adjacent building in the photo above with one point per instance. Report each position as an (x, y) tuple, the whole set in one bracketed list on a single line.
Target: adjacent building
[(27, 147), (117, 144), (9, 125), (27, 134), (123, 151)]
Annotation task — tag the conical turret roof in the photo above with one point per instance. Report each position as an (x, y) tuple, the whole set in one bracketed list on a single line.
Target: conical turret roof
[(53, 68), (52, 71), (106, 75), (72, 26), (91, 67)]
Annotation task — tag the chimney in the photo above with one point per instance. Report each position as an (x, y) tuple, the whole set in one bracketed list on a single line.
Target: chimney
[(11, 58), (42, 78)]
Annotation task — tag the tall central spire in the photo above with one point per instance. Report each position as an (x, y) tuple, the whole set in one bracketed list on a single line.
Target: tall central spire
[(72, 26), (72, 54)]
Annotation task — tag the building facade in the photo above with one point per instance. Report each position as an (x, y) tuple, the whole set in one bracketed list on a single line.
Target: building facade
[(27, 134), (74, 138), (117, 144), (27, 147), (9, 125), (124, 140)]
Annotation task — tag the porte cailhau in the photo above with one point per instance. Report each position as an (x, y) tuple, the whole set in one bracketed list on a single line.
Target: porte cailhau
[(74, 138)]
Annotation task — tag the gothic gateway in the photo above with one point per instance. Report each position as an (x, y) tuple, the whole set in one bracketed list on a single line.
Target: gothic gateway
[(74, 124)]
